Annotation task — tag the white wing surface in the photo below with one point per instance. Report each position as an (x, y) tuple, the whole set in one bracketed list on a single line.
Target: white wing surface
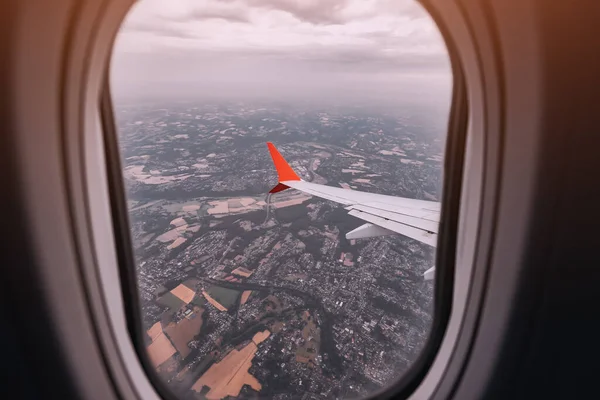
[(384, 215)]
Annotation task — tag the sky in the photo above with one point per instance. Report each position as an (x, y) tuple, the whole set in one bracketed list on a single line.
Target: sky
[(341, 51)]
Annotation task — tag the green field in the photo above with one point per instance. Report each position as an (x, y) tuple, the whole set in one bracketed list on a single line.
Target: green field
[(226, 297)]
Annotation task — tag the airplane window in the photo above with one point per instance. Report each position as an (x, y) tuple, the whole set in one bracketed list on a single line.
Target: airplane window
[(283, 170)]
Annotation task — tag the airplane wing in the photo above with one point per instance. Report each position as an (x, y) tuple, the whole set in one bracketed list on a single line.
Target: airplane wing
[(384, 215)]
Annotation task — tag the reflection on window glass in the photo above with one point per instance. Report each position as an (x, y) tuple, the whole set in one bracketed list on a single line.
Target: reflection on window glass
[(293, 270)]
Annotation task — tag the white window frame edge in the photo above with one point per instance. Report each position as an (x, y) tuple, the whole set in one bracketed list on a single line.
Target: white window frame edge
[(471, 195), (126, 369)]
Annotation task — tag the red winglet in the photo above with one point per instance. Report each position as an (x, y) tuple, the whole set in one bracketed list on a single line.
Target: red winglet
[(285, 172)]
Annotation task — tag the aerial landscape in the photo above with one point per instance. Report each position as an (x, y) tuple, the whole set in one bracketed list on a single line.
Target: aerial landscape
[(248, 296)]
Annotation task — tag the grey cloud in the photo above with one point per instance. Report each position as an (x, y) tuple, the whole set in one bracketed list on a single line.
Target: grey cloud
[(408, 8), (317, 12), (176, 27), (321, 12), (370, 64), (229, 14), (331, 12), (229, 11), (164, 29)]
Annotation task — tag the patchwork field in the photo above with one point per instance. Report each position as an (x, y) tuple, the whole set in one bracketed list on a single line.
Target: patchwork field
[(227, 377)]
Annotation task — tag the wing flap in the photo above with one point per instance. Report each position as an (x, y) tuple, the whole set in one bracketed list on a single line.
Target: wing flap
[(412, 232), (429, 274), (429, 214), (403, 218), (368, 230)]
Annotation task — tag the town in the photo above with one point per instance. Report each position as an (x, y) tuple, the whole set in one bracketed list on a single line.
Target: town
[(244, 293)]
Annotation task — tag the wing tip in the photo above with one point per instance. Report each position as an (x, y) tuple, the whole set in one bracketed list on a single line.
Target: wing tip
[(284, 171)]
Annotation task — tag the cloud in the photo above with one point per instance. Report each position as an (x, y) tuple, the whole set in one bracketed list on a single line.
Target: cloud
[(223, 10), (312, 11), (282, 47), (165, 30), (225, 14)]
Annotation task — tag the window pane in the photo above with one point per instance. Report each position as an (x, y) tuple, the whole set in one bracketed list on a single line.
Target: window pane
[(250, 294)]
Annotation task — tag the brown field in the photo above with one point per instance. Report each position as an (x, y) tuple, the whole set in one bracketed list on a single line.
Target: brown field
[(178, 222), (155, 331), (260, 337), (312, 335), (194, 228), (288, 203), (190, 208), (183, 332), (227, 377), (213, 301), (176, 243), (184, 293), (246, 201), (169, 235), (219, 207), (242, 272), (161, 349), (136, 173), (245, 296)]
